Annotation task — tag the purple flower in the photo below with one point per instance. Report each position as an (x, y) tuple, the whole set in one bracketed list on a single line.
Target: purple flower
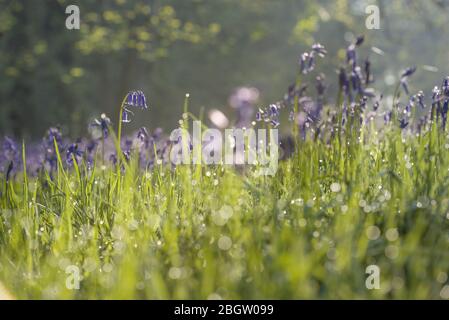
[(9, 149), (408, 72), (136, 99), (403, 123), (103, 124), (73, 154)]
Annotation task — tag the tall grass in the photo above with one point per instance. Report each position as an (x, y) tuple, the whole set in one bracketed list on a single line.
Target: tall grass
[(209, 232)]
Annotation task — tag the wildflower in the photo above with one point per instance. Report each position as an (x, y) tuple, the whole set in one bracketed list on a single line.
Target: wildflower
[(377, 103), (319, 49), (53, 134), (103, 124), (9, 149), (125, 117), (303, 62), (420, 98), (408, 72), (403, 123), (142, 134), (307, 59), (359, 40), (136, 99), (50, 158), (73, 154)]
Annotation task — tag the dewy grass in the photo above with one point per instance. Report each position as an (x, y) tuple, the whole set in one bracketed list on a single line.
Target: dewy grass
[(348, 198)]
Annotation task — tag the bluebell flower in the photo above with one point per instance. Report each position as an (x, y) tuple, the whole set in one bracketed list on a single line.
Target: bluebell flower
[(50, 158), (359, 40), (408, 72), (319, 49), (403, 123), (420, 99), (53, 134), (73, 154), (136, 99), (307, 59), (125, 116), (103, 124), (142, 134), (9, 149)]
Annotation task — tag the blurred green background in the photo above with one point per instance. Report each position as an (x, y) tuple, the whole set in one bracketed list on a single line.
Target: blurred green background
[(51, 75)]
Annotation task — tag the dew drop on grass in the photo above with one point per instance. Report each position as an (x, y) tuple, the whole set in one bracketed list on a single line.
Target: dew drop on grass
[(335, 187), (373, 232), (442, 277), (444, 293), (174, 273), (224, 243), (392, 252), (392, 234)]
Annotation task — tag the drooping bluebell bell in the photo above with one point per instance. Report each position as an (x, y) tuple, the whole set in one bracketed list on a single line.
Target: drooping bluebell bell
[(73, 154), (125, 116), (134, 99)]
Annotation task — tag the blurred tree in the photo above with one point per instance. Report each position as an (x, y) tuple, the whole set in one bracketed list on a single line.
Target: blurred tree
[(52, 75)]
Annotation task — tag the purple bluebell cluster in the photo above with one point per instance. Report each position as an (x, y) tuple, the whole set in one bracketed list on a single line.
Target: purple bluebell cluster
[(306, 103), (134, 99)]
